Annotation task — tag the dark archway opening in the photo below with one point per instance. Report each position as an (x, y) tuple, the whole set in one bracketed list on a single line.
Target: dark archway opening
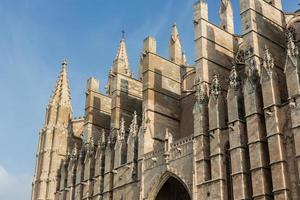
[(173, 190)]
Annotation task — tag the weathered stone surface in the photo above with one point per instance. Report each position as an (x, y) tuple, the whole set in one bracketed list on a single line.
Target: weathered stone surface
[(225, 128)]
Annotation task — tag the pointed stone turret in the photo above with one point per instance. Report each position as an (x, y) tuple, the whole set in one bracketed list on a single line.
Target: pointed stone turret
[(175, 49), (62, 94), (60, 101), (52, 148), (226, 15), (121, 64)]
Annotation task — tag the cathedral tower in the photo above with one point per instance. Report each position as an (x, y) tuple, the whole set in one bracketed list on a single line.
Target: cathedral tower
[(53, 141), (225, 128)]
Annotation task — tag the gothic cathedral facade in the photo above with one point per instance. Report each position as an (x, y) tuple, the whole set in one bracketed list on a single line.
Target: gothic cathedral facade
[(225, 128)]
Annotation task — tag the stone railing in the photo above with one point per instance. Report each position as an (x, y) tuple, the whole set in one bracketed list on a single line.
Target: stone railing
[(154, 158), (179, 148)]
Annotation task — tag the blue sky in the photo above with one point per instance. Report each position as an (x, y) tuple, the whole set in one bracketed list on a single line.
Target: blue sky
[(36, 35)]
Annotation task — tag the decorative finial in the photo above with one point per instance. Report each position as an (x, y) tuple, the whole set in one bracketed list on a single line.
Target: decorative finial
[(122, 129), (65, 62), (201, 94), (74, 152), (268, 61), (201, 90), (184, 59), (234, 81), (215, 86), (134, 124), (292, 49)]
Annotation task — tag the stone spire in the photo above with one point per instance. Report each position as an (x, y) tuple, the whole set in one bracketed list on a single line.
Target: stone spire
[(175, 48), (175, 34), (62, 95), (58, 117), (59, 110), (121, 64)]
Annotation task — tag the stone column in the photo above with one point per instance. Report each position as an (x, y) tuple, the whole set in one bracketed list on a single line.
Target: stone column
[(276, 140), (63, 177), (292, 74), (72, 174), (202, 169), (89, 164), (79, 175), (99, 167), (238, 139), (109, 167), (218, 139), (257, 142)]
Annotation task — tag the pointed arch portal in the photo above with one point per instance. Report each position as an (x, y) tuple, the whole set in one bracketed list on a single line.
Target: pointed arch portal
[(173, 189)]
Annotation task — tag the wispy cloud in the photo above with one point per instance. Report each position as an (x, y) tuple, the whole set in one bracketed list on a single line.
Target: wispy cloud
[(163, 19), (14, 187)]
